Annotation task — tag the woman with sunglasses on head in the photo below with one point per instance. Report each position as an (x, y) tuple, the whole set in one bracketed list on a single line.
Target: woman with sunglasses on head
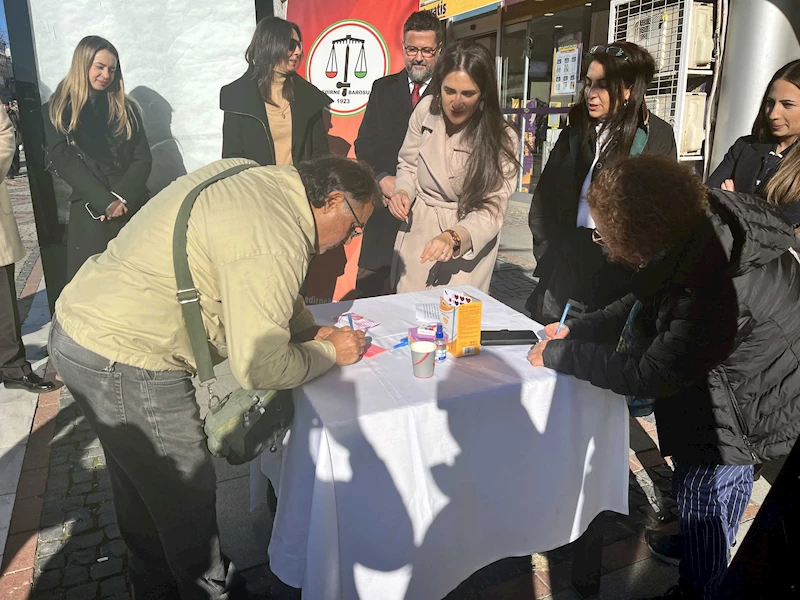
[(96, 143), (272, 115), (609, 123), (456, 171), (767, 162)]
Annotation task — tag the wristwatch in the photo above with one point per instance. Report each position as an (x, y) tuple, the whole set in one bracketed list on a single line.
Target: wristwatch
[(456, 241)]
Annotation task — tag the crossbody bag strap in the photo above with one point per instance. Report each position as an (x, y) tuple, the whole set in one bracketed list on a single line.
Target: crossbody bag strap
[(187, 294)]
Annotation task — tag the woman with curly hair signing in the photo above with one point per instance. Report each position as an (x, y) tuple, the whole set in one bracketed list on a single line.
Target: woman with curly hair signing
[(456, 171), (710, 331)]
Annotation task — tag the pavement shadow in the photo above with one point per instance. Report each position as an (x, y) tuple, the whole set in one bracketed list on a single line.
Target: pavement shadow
[(80, 549)]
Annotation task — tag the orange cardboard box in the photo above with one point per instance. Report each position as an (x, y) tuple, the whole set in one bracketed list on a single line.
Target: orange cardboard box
[(461, 321)]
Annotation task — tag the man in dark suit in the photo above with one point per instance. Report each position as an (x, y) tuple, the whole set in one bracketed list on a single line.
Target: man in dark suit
[(381, 136)]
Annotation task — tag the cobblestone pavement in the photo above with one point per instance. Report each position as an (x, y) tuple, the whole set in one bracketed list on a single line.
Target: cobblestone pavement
[(79, 555), (20, 195)]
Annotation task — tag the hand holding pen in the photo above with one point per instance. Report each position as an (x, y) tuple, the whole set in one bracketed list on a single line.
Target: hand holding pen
[(554, 331)]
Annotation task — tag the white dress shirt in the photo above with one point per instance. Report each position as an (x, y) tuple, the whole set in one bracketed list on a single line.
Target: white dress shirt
[(422, 87)]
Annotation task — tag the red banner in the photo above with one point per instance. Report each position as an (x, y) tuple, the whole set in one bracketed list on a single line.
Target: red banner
[(350, 43)]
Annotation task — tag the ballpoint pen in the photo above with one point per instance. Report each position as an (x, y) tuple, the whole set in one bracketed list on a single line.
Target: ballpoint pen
[(563, 318), (403, 342)]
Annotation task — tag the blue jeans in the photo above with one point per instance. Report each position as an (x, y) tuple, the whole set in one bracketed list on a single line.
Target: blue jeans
[(711, 502), (161, 472)]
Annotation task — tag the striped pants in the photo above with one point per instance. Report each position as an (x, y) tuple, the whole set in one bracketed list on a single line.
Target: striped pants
[(711, 502)]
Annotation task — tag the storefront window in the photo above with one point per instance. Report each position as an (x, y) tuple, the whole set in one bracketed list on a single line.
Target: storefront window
[(528, 80)]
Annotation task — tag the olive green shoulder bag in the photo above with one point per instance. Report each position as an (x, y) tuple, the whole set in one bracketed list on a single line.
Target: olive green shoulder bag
[(245, 422)]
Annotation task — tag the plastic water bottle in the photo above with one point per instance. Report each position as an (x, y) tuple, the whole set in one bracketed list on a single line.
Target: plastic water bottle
[(441, 345)]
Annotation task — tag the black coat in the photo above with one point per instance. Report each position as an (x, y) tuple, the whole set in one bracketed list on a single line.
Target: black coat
[(742, 164), (570, 267), (720, 334), (242, 137), (94, 162), (379, 140)]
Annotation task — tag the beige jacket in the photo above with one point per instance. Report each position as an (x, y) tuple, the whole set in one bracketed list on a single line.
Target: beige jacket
[(431, 170), (11, 249), (250, 239)]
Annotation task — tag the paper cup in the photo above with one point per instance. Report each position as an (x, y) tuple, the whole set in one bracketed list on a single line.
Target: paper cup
[(422, 358)]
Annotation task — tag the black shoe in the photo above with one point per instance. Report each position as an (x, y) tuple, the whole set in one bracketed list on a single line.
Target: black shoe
[(668, 548), (30, 382)]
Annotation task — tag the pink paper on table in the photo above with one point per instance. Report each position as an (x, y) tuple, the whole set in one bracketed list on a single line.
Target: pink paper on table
[(373, 351)]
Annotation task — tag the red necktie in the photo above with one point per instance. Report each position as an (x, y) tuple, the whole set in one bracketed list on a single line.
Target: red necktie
[(415, 94)]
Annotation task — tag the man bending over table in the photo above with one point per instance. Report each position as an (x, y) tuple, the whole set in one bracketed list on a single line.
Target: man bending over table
[(711, 332), (120, 345)]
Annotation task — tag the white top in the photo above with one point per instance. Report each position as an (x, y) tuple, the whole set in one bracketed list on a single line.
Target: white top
[(383, 474), (584, 218), (422, 87)]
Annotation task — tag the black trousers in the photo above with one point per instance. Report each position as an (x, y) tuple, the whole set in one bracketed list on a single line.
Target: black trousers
[(15, 164), (12, 352)]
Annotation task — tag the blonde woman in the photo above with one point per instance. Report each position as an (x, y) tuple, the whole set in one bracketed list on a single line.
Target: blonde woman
[(96, 143)]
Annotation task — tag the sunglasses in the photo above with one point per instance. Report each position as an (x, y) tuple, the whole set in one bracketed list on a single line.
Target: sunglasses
[(610, 50), (295, 45)]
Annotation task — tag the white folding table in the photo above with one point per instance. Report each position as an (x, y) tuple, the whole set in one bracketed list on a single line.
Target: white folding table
[(393, 487)]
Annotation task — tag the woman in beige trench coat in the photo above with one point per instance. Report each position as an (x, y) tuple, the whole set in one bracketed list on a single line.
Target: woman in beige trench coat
[(456, 171), (15, 370)]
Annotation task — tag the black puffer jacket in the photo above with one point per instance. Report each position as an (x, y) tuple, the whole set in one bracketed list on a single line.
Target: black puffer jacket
[(719, 321)]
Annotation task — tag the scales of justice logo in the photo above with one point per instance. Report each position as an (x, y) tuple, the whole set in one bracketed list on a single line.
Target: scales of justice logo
[(344, 62)]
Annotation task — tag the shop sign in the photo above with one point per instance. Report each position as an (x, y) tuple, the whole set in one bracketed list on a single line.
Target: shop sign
[(566, 66), (444, 9)]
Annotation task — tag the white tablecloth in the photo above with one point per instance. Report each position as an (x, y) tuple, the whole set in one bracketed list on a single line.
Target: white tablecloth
[(392, 487)]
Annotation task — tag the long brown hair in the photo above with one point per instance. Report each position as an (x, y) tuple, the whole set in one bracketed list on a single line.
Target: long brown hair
[(634, 70), (73, 91), (487, 132), (268, 48), (784, 186)]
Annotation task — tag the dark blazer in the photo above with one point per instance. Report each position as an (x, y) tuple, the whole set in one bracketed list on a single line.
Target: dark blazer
[(242, 137), (379, 140), (94, 162), (719, 338), (570, 267), (742, 163)]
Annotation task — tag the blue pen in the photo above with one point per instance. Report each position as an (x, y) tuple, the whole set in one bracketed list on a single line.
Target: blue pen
[(403, 342), (563, 317), (350, 319)]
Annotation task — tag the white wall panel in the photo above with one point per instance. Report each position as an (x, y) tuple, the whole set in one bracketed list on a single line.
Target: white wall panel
[(175, 55)]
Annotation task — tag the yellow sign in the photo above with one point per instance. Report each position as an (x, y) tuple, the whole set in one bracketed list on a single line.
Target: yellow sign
[(444, 9)]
